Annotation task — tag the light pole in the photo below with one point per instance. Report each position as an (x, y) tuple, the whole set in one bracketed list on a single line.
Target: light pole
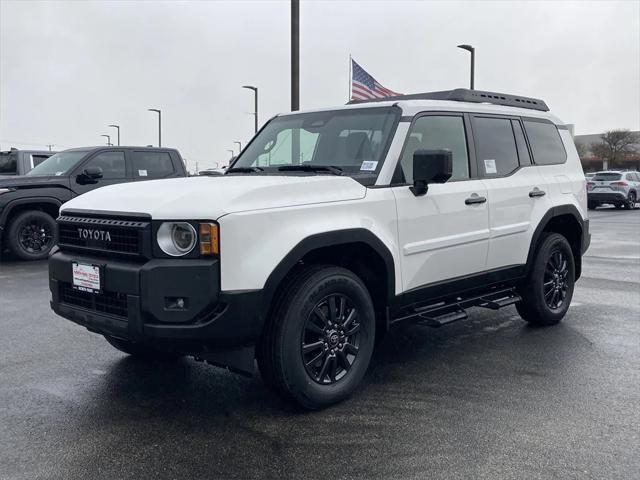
[(255, 108), (159, 124), (50, 145), (232, 152), (295, 55), (118, 128), (472, 51), (108, 140), (239, 146)]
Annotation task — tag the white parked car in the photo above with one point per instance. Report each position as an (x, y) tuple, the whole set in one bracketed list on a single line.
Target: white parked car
[(332, 226), (615, 187)]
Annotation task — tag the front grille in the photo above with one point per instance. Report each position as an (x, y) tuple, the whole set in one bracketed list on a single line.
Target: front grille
[(111, 303), (106, 236)]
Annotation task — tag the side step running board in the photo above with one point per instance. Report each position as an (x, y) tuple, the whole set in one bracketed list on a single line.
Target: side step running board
[(443, 313)]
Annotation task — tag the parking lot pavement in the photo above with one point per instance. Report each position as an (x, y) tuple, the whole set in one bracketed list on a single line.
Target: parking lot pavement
[(486, 398)]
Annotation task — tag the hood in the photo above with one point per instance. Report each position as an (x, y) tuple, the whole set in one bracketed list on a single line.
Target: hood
[(212, 197), (31, 181)]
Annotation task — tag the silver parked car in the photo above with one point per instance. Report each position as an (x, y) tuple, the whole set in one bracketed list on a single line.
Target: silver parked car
[(615, 187)]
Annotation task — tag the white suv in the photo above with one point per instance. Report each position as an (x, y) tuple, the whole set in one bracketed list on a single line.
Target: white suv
[(331, 226)]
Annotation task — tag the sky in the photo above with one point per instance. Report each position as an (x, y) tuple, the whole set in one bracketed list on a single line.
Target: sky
[(69, 69)]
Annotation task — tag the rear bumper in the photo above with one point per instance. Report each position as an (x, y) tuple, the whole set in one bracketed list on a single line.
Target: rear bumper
[(135, 304), (607, 197)]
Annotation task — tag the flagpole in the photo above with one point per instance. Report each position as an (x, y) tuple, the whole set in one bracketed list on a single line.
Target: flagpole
[(350, 73)]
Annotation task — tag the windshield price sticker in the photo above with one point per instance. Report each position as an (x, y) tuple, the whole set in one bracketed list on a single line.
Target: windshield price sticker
[(368, 166), (86, 277)]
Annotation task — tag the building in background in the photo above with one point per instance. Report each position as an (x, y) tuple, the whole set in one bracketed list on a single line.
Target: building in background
[(597, 154)]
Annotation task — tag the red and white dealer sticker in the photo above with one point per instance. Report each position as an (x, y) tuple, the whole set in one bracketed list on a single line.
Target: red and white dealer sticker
[(86, 277)]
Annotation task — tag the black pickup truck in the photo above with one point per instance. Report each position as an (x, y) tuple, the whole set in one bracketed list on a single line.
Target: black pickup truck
[(19, 162), (29, 204)]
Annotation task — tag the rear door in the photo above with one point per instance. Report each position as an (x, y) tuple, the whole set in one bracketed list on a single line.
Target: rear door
[(516, 189), (444, 234), (153, 165)]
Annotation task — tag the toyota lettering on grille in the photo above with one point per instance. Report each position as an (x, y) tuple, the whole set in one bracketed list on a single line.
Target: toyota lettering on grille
[(90, 234)]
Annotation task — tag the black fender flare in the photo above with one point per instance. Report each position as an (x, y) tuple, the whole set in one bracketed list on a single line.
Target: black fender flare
[(26, 200), (323, 240), (558, 210)]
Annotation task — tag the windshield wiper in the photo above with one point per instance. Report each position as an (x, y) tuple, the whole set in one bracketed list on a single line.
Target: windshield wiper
[(311, 168), (244, 170)]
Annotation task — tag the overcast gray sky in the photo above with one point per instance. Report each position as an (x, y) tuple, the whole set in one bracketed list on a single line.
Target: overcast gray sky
[(68, 69)]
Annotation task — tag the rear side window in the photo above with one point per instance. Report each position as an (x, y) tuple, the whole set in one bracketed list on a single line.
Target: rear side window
[(607, 177), (495, 146), (38, 159), (152, 164), (8, 163), (546, 144)]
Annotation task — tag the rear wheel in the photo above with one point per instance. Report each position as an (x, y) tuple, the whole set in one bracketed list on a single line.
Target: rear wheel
[(592, 205), (631, 201), (548, 289), (139, 350), (318, 343), (31, 235)]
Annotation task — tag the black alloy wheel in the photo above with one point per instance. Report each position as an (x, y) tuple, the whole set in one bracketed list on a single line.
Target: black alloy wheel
[(32, 234), (36, 236), (555, 279), (330, 339), (631, 201)]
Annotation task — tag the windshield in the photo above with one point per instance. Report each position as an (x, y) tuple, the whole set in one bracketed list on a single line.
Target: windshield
[(8, 163), (354, 141), (59, 164)]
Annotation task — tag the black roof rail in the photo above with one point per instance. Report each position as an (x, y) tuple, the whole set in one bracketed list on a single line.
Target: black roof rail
[(466, 95)]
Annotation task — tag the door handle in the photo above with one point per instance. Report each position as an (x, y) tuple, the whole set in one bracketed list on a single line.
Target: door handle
[(536, 192), (475, 198)]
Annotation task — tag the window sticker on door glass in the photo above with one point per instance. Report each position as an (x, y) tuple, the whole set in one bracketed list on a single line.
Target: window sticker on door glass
[(142, 173), (490, 166), (368, 166)]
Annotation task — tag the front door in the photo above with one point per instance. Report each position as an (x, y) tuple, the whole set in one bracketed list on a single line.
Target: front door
[(444, 234), (114, 170)]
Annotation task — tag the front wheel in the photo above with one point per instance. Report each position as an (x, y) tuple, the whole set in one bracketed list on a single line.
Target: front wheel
[(320, 337), (548, 289), (31, 235)]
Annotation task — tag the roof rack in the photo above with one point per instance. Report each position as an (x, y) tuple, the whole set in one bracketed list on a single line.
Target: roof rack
[(466, 95)]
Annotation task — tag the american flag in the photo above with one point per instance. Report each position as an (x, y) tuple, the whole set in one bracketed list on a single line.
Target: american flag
[(364, 86)]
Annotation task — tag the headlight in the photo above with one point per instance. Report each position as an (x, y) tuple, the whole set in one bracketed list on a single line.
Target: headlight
[(177, 238)]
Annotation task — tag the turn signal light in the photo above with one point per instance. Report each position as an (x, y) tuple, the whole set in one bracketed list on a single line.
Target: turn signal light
[(209, 239)]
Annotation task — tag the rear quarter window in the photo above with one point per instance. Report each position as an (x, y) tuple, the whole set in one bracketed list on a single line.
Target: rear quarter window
[(546, 144), (8, 163)]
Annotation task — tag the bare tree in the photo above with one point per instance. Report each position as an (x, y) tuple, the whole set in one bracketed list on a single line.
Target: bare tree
[(614, 146), (581, 148)]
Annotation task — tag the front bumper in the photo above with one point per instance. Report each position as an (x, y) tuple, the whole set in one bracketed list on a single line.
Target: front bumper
[(607, 197), (135, 303)]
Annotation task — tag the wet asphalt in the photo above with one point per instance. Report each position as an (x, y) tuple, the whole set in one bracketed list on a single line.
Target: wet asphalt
[(486, 398)]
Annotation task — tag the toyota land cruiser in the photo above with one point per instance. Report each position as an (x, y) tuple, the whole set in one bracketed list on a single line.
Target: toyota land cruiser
[(330, 227)]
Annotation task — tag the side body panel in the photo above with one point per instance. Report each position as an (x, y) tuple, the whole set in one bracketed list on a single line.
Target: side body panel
[(252, 243)]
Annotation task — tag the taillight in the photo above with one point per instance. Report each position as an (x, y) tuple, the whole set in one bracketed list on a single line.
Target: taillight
[(619, 185)]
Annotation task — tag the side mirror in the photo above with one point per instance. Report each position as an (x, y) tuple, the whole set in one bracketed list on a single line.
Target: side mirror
[(430, 166), (89, 175)]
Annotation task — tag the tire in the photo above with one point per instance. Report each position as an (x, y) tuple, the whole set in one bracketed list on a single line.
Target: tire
[(631, 201), (591, 205), (618, 206), (542, 304), (139, 350), (32, 234), (309, 355)]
